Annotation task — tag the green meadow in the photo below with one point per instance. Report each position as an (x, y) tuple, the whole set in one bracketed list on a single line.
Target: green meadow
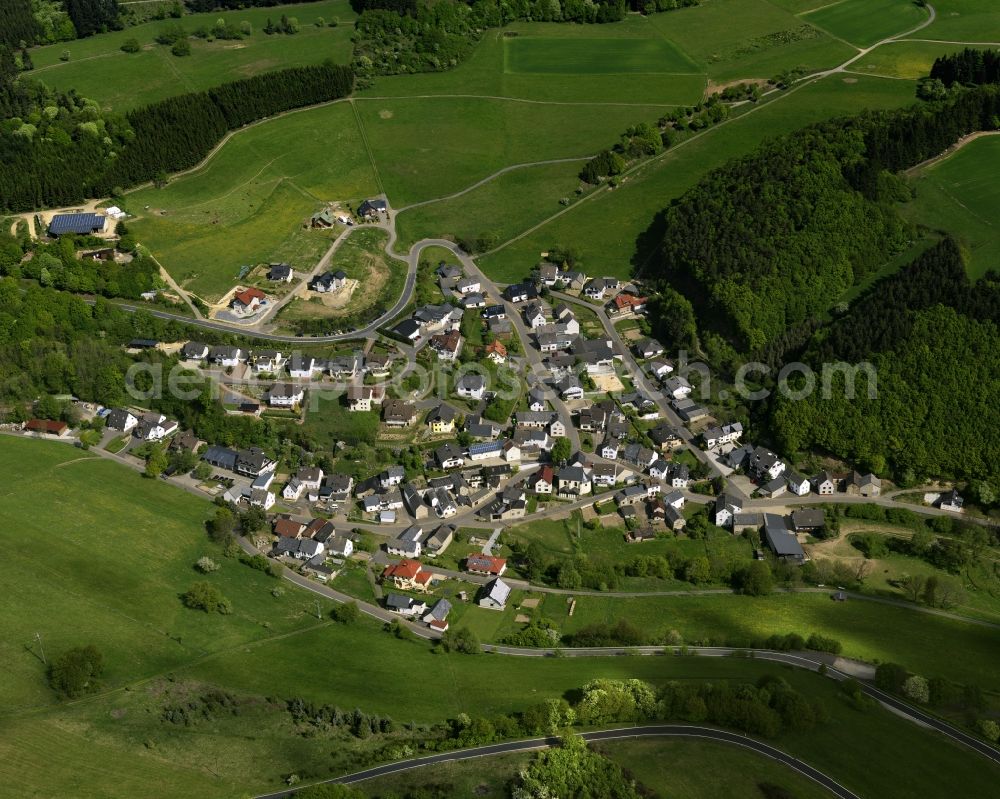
[(905, 59), (109, 554), (579, 56), (100, 70), (614, 232), (486, 72), (865, 22), (430, 147), (250, 202), (964, 21), (961, 195)]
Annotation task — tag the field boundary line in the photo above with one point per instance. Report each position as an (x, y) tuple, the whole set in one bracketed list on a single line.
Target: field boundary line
[(488, 178), (368, 149), (528, 100)]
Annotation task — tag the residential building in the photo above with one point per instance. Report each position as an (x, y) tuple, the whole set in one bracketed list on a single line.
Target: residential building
[(471, 386), (226, 357), (194, 351), (447, 345), (573, 480), (495, 595), (543, 480), (824, 484), (280, 273), (449, 456), (865, 485), (122, 420), (724, 434), (329, 282), (248, 301), (488, 565), (496, 352), (441, 419), (726, 507), (398, 413), (808, 520), (405, 605), (797, 484), (285, 395), (361, 398)]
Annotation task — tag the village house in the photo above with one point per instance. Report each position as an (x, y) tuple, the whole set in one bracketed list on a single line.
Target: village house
[(437, 617), (285, 395), (154, 426), (724, 434), (573, 480), (329, 282), (519, 292), (494, 595), (487, 565), (409, 544), (726, 507), (248, 301), (471, 386), (441, 419), (782, 541), (865, 485), (447, 345), (194, 351), (398, 413), (226, 357), (496, 352), (467, 285), (797, 484), (824, 484), (449, 456), (542, 481), (373, 209), (303, 367), (121, 420), (405, 605), (625, 304), (438, 541), (280, 273), (361, 398)]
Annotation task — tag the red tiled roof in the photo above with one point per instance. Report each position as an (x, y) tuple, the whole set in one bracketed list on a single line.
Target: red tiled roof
[(406, 569), (287, 528), (497, 347), (629, 301), (547, 474), (485, 563), (46, 426), (439, 624), (247, 296)]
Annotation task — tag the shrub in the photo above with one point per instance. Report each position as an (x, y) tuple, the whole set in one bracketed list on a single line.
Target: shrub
[(76, 671), (205, 596), (989, 729), (206, 565), (348, 613), (916, 689), (131, 46), (822, 643), (890, 677)]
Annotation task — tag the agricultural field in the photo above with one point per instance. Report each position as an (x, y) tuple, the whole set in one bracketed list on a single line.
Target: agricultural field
[(617, 229), (250, 202), (499, 209), (739, 39), (486, 72), (868, 630), (681, 768), (961, 194), (963, 21), (865, 22), (540, 55), (99, 69), (905, 59), (117, 551), (430, 147)]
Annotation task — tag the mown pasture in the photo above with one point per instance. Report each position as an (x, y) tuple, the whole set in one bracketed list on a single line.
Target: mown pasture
[(865, 22), (250, 201), (960, 194), (98, 68)]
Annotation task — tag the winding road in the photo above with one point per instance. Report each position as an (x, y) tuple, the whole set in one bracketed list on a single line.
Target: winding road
[(616, 734)]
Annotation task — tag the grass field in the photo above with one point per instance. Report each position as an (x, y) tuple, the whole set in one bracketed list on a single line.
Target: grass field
[(485, 72), (503, 207), (614, 231), (867, 630), (109, 554), (249, 203), (98, 68), (738, 39), (864, 22), (961, 194), (964, 21), (578, 56), (679, 769), (430, 147), (905, 59)]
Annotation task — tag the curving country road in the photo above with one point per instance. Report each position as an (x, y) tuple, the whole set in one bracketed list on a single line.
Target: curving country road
[(646, 731)]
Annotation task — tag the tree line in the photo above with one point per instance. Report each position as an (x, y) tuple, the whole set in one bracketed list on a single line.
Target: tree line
[(970, 67), (93, 155)]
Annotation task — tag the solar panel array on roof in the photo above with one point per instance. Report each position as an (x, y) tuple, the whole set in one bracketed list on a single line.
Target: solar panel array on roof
[(76, 223)]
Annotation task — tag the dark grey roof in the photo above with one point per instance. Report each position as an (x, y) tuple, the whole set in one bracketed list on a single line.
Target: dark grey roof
[(75, 223), (779, 538)]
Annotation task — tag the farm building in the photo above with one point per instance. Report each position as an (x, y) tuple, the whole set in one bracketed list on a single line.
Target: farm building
[(76, 224)]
